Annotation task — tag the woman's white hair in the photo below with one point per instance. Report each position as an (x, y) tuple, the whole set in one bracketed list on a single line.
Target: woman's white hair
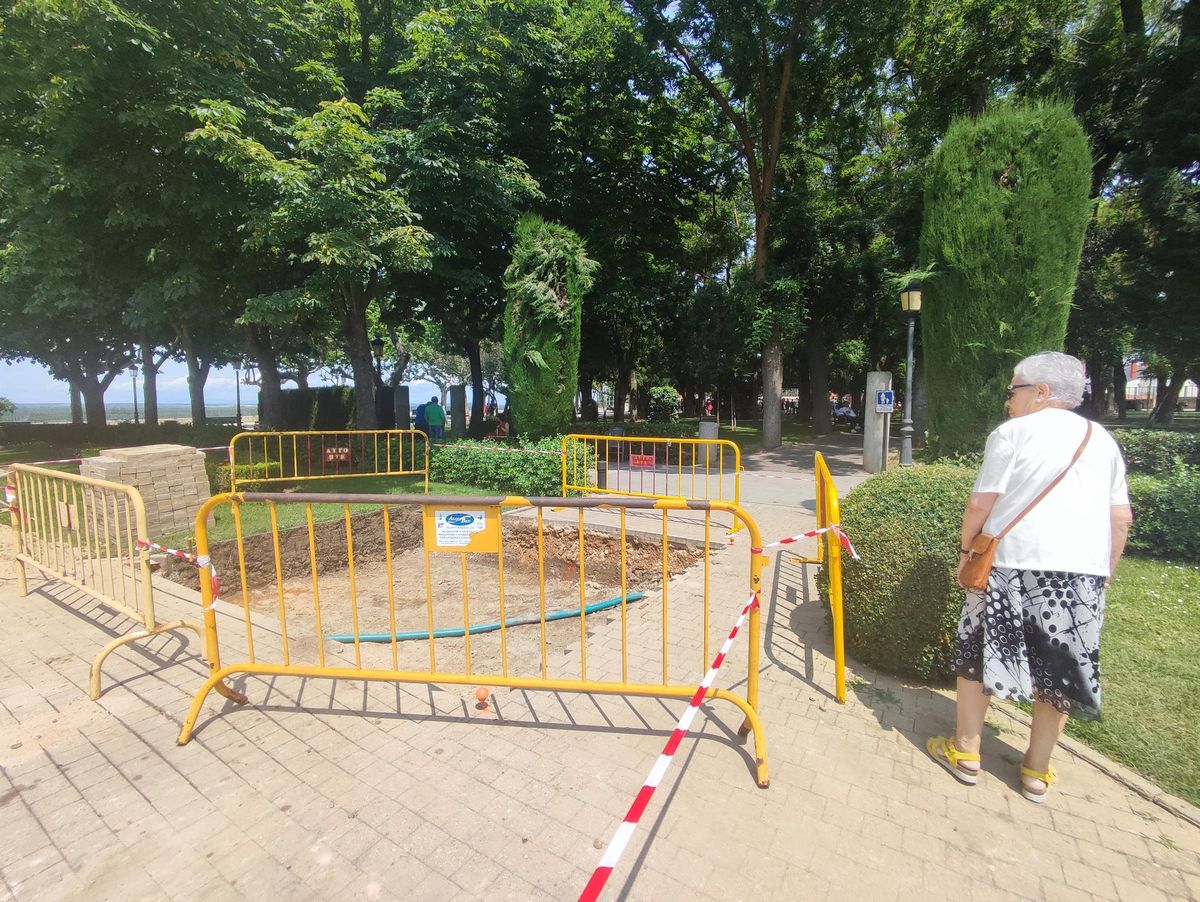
[(1062, 372)]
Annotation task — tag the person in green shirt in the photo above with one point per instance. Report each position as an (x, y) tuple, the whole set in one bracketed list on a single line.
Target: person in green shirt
[(435, 416)]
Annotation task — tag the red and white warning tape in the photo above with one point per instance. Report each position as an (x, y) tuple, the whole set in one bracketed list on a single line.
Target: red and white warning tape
[(843, 539), (621, 838), (202, 560)]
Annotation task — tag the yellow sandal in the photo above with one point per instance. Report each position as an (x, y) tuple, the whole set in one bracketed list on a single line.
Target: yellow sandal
[(1049, 778), (945, 753)]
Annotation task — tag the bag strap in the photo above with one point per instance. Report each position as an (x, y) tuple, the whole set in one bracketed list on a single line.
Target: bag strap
[(1046, 491)]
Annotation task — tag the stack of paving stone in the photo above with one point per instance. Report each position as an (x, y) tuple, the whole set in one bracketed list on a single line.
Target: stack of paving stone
[(170, 478)]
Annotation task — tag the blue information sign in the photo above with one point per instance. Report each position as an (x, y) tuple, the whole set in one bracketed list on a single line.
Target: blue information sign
[(885, 401)]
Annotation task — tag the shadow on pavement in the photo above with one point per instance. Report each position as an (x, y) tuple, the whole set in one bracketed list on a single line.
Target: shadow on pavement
[(797, 630)]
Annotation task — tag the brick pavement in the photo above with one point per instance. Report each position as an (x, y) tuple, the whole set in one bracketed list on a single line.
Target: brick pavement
[(377, 791)]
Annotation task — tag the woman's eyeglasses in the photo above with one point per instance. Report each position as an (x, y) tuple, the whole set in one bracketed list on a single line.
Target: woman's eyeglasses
[(1012, 389)]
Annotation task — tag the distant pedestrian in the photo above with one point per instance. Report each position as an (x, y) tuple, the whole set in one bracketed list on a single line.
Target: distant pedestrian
[(422, 425), (435, 416)]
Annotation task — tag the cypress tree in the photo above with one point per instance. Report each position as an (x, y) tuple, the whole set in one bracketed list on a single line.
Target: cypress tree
[(1006, 207), (546, 281)]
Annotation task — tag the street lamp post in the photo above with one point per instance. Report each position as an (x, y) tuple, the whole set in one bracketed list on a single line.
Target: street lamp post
[(237, 390), (133, 371), (910, 303)]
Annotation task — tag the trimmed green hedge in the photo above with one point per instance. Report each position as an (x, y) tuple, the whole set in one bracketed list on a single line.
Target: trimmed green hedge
[(901, 600), (486, 466), (685, 429), (1006, 208), (1166, 511), (1155, 450)]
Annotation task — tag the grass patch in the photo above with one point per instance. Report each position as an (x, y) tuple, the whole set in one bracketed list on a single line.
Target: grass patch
[(256, 518), (1150, 671), (31, 452)]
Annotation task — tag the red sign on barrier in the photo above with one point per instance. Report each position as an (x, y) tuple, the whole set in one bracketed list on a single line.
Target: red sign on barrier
[(339, 454), (641, 461)]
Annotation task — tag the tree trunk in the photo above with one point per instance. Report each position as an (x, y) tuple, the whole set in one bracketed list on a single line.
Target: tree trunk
[(270, 392), (471, 347), (1168, 396), (1101, 374), (585, 398), (76, 403), (149, 384), (197, 369), (1118, 382), (772, 352), (818, 377), (358, 349), (93, 401), (772, 376), (620, 395), (803, 391)]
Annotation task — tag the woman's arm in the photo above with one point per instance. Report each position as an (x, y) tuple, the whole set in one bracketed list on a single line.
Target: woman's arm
[(979, 506), (1121, 516)]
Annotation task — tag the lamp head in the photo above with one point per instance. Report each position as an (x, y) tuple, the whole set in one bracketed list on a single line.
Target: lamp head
[(910, 297)]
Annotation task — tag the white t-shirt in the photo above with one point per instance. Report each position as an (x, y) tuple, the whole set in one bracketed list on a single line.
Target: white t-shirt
[(1070, 529)]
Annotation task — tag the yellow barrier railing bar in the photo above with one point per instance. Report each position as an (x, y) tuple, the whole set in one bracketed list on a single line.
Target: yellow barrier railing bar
[(496, 674), (829, 514), (330, 454), (62, 528)]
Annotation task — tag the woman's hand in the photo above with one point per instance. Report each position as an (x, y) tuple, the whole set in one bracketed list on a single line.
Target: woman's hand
[(962, 562)]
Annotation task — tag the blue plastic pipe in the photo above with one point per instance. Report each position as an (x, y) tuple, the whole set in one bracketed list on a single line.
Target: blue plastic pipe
[(459, 632)]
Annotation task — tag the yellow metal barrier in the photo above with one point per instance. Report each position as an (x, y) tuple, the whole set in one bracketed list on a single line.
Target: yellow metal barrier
[(829, 553), (396, 557), (86, 533), (696, 468), (269, 457)]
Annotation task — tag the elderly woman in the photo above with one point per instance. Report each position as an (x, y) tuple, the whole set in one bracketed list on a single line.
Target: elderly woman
[(1033, 634)]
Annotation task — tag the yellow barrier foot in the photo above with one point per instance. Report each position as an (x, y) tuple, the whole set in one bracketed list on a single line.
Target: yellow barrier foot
[(238, 698)]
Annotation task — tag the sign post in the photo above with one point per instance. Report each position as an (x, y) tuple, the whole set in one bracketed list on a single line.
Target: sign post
[(877, 421)]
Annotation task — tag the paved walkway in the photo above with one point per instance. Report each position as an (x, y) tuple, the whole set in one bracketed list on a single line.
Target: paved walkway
[(346, 790)]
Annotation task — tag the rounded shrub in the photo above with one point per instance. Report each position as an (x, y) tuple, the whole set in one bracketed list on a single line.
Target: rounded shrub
[(663, 404), (901, 600)]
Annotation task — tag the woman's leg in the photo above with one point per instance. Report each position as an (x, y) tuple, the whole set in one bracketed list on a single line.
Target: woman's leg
[(1048, 723), (971, 705)]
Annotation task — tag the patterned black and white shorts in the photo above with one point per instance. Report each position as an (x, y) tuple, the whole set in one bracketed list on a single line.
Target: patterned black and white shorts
[(1034, 635)]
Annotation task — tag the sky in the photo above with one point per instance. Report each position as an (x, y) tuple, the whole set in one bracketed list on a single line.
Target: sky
[(26, 382)]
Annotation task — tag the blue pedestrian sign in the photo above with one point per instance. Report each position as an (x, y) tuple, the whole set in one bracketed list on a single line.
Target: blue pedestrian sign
[(885, 401)]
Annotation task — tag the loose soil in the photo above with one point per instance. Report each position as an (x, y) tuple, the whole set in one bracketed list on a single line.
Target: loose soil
[(365, 595)]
